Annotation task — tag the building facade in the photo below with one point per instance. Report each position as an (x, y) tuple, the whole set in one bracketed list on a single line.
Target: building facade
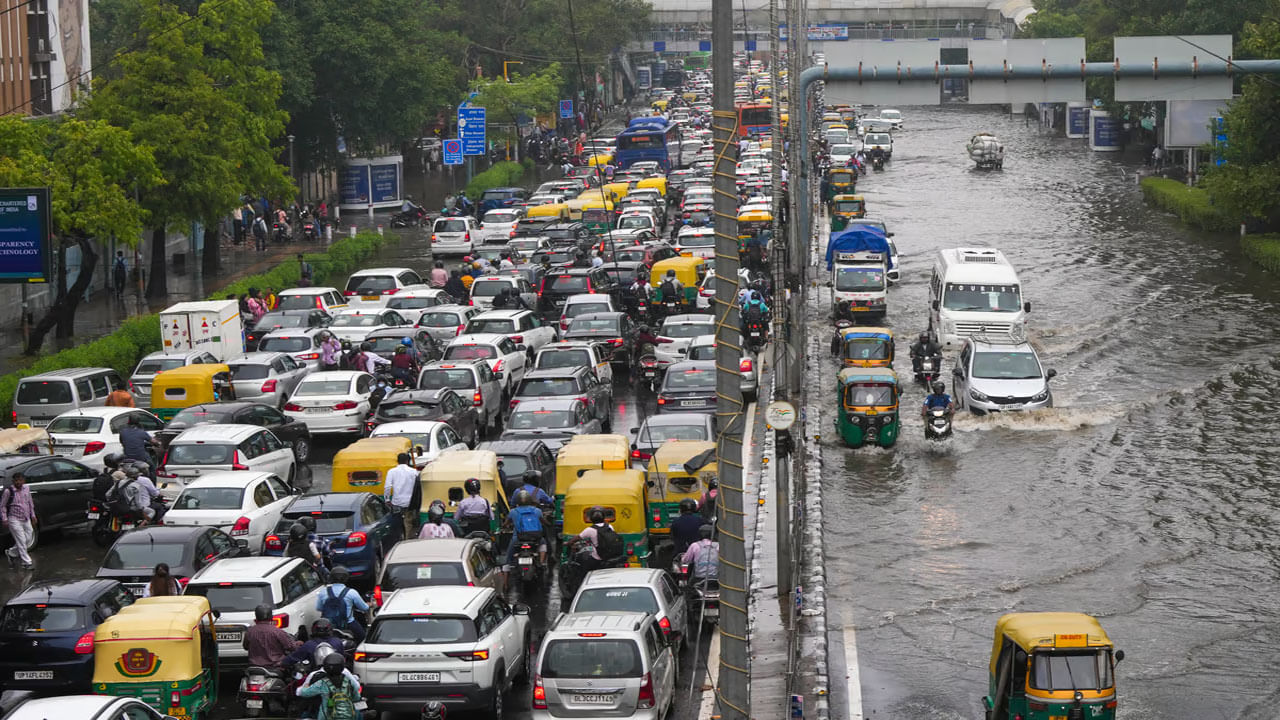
[(44, 54)]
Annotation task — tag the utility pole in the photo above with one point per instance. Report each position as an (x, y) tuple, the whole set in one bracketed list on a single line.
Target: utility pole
[(732, 680), (782, 340)]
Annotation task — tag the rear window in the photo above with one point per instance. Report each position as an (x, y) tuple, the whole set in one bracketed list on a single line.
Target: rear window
[(569, 284), (151, 367), (407, 410), (44, 392), (690, 380), (357, 321), (440, 319), (370, 283), (250, 372), (275, 320), (556, 359), (488, 288), (585, 308), (199, 454), (451, 226), (637, 599), (541, 387), (594, 325), (409, 575), (298, 302), (386, 343), (133, 555), (498, 217), (491, 325), (411, 303), (687, 330), (702, 352), (194, 416), (422, 630), (592, 658), (41, 618), (470, 352), (210, 498), (75, 424), (233, 598), (285, 344), (323, 387), (336, 521), (541, 419), (440, 378)]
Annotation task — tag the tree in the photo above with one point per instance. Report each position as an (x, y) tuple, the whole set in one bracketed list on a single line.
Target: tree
[(92, 170), (196, 91), (523, 95)]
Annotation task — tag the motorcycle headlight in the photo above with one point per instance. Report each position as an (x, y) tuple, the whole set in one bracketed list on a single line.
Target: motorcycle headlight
[(978, 395), (1041, 396)]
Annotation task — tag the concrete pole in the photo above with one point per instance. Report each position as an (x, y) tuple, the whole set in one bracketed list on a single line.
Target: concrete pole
[(781, 317), (732, 681)]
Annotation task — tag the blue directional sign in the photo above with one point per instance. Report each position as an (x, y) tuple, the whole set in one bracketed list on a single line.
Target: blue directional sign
[(704, 46), (471, 130), (453, 151), (566, 109)]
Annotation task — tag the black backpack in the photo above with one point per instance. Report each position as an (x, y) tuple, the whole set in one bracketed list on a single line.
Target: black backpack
[(609, 543), (669, 292), (118, 502)]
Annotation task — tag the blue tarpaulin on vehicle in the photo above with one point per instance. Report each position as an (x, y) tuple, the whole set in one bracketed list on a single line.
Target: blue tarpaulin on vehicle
[(859, 238)]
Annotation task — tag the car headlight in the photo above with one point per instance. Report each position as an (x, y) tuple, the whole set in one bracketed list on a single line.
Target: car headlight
[(978, 395), (1041, 396)]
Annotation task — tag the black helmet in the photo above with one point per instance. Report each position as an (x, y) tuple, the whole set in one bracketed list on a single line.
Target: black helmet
[(924, 337), (340, 574), (688, 506), (433, 710), (671, 273), (644, 329), (366, 346), (472, 486), (531, 477), (262, 613), (596, 515), (297, 531), (524, 498), (939, 387), (435, 513), (321, 627), (307, 522), (704, 531), (333, 664), (112, 460), (712, 484)]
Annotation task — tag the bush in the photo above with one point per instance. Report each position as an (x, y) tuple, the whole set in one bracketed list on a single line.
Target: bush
[(1263, 249), (1191, 204), (122, 349), (504, 174)]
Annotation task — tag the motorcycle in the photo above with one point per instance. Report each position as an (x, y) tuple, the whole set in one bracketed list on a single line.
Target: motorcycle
[(927, 369), (574, 570), (274, 692), (310, 231), (408, 218), (647, 376), (278, 234), (529, 571), (755, 334), (108, 525), (703, 596), (877, 162), (937, 424)]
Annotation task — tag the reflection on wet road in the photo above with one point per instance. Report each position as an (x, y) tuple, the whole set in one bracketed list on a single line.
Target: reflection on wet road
[(1146, 497)]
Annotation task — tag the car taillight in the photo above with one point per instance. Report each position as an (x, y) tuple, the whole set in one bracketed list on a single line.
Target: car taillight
[(348, 293), (514, 403), (433, 237), (281, 620), (362, 656), (269, 386), (468, 236), (308, 356), (497, 367), (160, 470), (645, 700), (84, 646), (564, 323), (458, 332), (745, 365), (517, 339), (477, 399), (293, 407), (377, 597), (357, 539), (235, 462), (664, 623), (272, 542), (241, 527), (640, 455), (345, 405), (539, 694), (707, 292), (15, 417), (686, 216), (319, 303), (616, 342), (390, 291), (662, 401), (469, 655), (94, 446), (511, 234)]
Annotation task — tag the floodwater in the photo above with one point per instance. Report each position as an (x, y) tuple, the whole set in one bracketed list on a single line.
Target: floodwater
[(1146, 497)]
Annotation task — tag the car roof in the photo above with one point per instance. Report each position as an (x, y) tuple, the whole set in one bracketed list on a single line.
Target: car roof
[(412, 395), (478, 339), (623, 576), (501, 314), (678, 419), (419, 292), (228, 478), (65, 373), (62, 591), (452, 307), (162, 353), (454, 365), (437, 598), (100, 412), (384, 271), (294, 332), (547, 404), (690, 318), (413, 426), (230, 405), (568, 345), (687, 365), (605, 315), (347, 375), (161, 532), (577, 298), (216, 431), (555, 372), (402, 331), (244, 568), (511, 446), (307, 291), (612, 620), (264, 356), (431, 549), (318, 501), (84, 707)]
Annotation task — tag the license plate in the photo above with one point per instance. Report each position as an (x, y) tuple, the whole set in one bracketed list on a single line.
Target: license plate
[(253, 704), (91, 516), (317, 411), (419, 677), (137, 591), (859, 308), (690, 403), (39, 423), (524, 561), (593, 699), (371, 298), (229, 636), (124, 527), (32, 674)]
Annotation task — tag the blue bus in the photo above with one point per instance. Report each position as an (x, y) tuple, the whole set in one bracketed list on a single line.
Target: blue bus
[(649, 138)]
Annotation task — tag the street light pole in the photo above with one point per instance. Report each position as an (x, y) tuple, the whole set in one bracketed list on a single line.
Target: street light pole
[(505, 63), (293, 169)]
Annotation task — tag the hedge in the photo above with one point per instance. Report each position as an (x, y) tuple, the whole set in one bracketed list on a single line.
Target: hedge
[(1191, 204), (138, 336), (504, 174), (1263, 249)]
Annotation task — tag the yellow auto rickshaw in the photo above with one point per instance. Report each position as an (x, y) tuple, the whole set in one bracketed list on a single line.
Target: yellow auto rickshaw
[(690, 271), (362, 466), (444, 479), (621, 494), (180, 388), (587, 452), (751, 225), (657, 182), (659, 105), (678, 470), (1047, 665), (845, 208), (161, 650), (863, 346), (838, 181), (618, 190), (26, 440), (690, 97), (559, 211), (600, 160), (867, 406), (581, 204)]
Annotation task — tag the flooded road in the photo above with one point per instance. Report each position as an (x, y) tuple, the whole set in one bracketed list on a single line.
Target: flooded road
[(1146, 497)]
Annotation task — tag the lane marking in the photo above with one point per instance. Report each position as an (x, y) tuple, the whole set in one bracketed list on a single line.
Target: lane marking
[(854, 683), (708, 706)]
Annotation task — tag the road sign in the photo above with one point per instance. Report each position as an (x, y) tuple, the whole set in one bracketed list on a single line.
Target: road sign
[(566, 109), (471, 122), (453, 151), (780, 415)]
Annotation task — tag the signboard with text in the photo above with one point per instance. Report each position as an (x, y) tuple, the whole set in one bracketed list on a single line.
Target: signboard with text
[(26, 255), (453, 151), (471, 121), (566, 109), (353, 184), (384, 182)]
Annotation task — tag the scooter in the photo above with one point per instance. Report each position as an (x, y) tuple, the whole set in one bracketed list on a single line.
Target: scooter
[(647, 373), (877, 162), (310, 232), (703, 596), (755, 335), (529, 571), (278, 234), (937, 424), (928, 369)]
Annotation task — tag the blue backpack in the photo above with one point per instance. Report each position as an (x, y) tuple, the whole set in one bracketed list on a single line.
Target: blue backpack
[(527, 519), (335, 608)]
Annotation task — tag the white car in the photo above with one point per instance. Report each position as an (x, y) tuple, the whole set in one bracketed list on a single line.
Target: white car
[(245, 505), (529, 247), (696, 242), (499, 223), (505, 358), (894, 117), (842, 153), (204, 449), (433, 437), (453, 235), (375, 286), (332, 401), (84, 707), (90, 434), (576, 353), (522, 326), (321, 298), (411, 304), (235, 586), (356, 324), (445, 322), (463, 645), (486, 287), (681, 330), (638, 220), (303, 344), (583, 304)]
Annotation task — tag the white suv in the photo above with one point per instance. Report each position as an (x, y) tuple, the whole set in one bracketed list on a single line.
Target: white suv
[(375, 286), (506, 359), (453, 235), (203, 449), (235, 586), (1000, 373), (522, 326), (463, 646)]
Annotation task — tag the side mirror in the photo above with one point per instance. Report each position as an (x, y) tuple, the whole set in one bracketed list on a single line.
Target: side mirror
[(1119, 655), (1026, 306), (520, 609), (957, 372), (418, 449), (934, 304), (242, 546), (649, 483), (1050, 374), (888, 234), (521, 347)]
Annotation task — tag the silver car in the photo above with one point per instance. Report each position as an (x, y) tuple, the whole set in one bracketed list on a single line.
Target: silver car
[(703, 347), (267, 377), (445, 322), (1000, 374), (156, 363), (636, 589)]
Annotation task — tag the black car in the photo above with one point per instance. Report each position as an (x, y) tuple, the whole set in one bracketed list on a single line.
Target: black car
[(60, 489), (614, 329), (46, 632), (517, 456), (578, 382), (386, 341), (442, 404), (570, 234), (688, 386), (282, 319), (557, 286), (242, 412), (186, 548), (533, 226)]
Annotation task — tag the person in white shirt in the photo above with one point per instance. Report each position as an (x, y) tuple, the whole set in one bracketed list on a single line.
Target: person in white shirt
[(401, 481)]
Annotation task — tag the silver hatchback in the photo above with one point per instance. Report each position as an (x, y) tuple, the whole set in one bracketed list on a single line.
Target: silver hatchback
[(267, 377)]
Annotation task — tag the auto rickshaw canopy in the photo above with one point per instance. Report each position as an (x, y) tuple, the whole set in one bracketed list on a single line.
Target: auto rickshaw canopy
[(589, 452), (839, 176), (672, 480), (621, 493), (443, 478), (689, 271), (156, 639), (25, 439), (846, 204), (1048, 630), (190, 385), (657, 183), (850, 379), (600, 160), (363, 465), (549, 210)]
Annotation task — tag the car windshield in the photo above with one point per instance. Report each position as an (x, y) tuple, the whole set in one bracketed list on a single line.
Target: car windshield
[(327, 521), (440, 319), (470, 352), (357, 321), (524, 244), (1006, 366), (133, 555), (867, 348), (702, 352), (541, 419), (436, 378), (540, 387), (285, 344), (569, 284), (210, 498), (1071, 671), (635, 221), (233, 597), (416, 630), (41, 618), (556, 359), (407, 410), (866, 395), (411, 303), (658, 434), (75, 425), (592, 658), (594, 325), (386, 344), (199, 454), (633, 599), (155, 365), (451, 226), (249, 372), (488, 288), (687, 330), (41, 392), (497, 326), (890, 114), (841, 149), (967, 297), (691, 379), (199, 416), (419, 574), (332, 386), (696, 240)]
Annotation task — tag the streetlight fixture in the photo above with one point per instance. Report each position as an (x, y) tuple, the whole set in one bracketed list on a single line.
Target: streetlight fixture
[(293, 172)]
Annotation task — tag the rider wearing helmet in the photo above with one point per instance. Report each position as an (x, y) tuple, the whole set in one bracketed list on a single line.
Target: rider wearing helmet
[(924, 347), (267, 644), (103, 482), (433, 710), (530, 486), (938, 399), (591, 536), (336, 687), (474, 512), (526, 523), (645, 339), (338, 603), (320, 544), (367, 360), (300, 546), (672, 289), (435, 526), (684, 529)]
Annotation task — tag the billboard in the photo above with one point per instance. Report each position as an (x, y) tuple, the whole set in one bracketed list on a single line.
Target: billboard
[(1187, 123), (353, 185), (384, 181), (1034, 53), (820, 32), (26, 253)]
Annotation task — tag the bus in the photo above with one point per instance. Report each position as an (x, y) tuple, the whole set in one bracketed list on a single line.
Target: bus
[(754, 119), (649, 138), (673, 78)]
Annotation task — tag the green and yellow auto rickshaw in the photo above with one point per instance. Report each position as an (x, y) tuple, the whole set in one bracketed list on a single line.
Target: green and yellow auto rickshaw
[(178, 389), (621, 495), (865, 347), (845, 208), (690, 271), (445, 479), (161, 650), (1051, 666), (595, 451), (679, 469), (838, 181), (868, 406)]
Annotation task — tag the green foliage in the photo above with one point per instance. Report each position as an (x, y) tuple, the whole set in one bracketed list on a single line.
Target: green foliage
[(504, 174), (138, 336), (1191, 204), (528, 95), (1262, 249)]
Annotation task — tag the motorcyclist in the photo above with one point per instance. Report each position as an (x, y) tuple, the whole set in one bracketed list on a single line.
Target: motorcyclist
[(319, 543), (684, 529), (321, 634), (754, 308), (267, 644), (703, 557), (580, 260), (435, 526), (404, 365), (474, 512), (530, 486), (129, 494), (103, 482), (300, 546), (590, 539), (348, 601), (336, 687), (645, 341), (410, 208), (924, 347), (938, 399), (367, 360), (526, 520), (639, 291), (672, 289)]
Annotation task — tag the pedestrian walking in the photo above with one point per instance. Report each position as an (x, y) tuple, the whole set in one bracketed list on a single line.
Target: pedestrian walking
[(119, 273), (260, 233), (401, 481), (237, 224), (305, 272), (18, 513)]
